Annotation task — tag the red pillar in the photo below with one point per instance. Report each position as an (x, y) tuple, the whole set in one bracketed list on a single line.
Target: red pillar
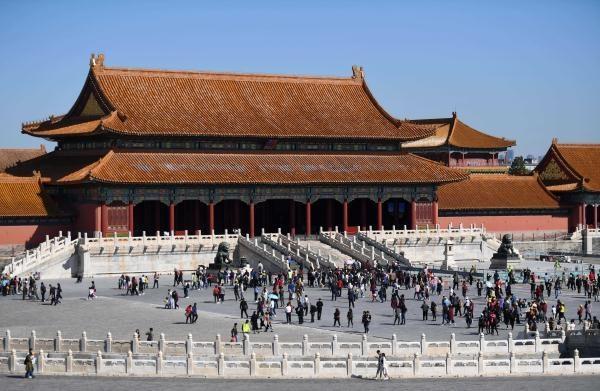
[(211, 217), (292, 218), (172, 217), (98, 218), (329, 216), (345, 215), (104, 218), (413, 214), (308, 222), (251, 209), (130, 224), (379, 214), (583, 207), (595, 216), (434, 212)]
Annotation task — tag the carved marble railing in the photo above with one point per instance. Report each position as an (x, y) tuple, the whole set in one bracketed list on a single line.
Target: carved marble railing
[(179, 242), (427, 232), (286, 366), (28, 261), (362, 348)]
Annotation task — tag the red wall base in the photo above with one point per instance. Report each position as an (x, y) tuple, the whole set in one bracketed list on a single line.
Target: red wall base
[(29, 235), (515, 223)]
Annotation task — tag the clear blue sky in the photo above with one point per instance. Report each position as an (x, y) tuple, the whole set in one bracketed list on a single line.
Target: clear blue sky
[(527, 70)]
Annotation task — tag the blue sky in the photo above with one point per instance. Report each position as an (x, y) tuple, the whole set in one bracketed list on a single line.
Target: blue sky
[(525, 70)]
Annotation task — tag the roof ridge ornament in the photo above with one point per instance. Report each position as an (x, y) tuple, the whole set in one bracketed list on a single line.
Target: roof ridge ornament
[(358, 72), (97, 60)]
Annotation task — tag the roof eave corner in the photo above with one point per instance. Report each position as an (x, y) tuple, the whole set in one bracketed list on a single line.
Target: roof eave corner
[(96, 62), (358, 73)]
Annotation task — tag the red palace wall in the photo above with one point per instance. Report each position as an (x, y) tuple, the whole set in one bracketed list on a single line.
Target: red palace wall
[(85, 218), (29, 235), (514, 223)]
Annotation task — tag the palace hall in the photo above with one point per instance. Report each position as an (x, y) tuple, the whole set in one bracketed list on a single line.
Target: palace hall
[(151, 151)]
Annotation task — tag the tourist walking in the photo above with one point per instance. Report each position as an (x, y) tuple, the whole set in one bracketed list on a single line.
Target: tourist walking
[(366, 321), (336, 318), (29, 360)]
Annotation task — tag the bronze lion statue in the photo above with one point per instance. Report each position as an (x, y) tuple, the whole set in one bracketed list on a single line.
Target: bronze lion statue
[(506, 247), (222, 257)]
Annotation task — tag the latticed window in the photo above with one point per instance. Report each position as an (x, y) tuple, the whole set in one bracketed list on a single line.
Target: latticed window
[(424, 213), (118, 218)]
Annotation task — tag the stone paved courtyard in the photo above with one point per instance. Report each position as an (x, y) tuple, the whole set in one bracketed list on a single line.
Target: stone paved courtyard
[(122, 315), (546, 383)]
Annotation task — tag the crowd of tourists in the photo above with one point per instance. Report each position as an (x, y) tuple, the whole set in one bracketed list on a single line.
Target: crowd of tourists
[(29, 289), (263, 293)]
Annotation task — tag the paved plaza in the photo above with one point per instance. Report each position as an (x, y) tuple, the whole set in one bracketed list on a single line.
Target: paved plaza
[(546, 383), (122, 315)]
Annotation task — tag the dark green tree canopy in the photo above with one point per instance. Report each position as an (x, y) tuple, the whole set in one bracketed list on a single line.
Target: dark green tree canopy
[(518, 167)]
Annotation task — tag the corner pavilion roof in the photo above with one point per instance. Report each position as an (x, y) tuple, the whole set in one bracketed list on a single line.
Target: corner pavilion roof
[(571, 167), (455, 133), (144, 102)]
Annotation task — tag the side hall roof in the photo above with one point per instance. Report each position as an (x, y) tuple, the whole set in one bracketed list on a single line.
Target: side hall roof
[(496, 192), (144, 102), (12, 156), (25, 197)]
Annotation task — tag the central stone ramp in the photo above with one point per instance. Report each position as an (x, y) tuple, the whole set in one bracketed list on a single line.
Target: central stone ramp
[(336, 256)]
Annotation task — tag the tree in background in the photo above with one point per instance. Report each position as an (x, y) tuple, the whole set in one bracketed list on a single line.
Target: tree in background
[(518, 167)]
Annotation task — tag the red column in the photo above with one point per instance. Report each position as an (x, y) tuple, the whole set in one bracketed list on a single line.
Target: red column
[(329, 216), (251, 209), (172, 217), (308, 222), (434, 212), (345, 215), (211, 217), (379, 214), (131, 227), (292, 218), (583, 207), (595, 216), (98, 218), (413, 214), (104, 218)]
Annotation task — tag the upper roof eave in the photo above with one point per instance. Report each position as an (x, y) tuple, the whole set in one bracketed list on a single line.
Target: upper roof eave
[(340, 123)]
